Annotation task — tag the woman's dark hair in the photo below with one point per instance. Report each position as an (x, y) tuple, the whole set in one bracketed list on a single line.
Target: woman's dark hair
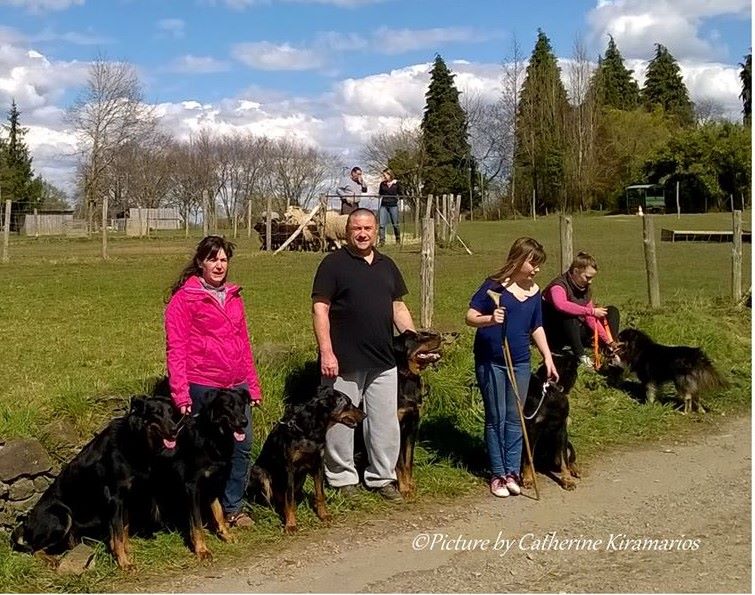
[(207, 248)]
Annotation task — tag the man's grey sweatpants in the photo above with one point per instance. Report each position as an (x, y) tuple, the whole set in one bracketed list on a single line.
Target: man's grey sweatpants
[(382, 435)]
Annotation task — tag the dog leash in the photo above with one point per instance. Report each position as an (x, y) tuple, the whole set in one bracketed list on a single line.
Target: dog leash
[(546, 384), (496, 297)]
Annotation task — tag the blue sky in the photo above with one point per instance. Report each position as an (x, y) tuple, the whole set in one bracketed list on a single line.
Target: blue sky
[(329, 71)]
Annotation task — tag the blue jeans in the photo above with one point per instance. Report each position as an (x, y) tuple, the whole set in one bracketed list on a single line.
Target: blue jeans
[(503, 430), (238, 476), (388, 214)]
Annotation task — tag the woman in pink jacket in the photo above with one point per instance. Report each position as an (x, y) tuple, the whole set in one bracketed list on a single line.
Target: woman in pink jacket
[(208, 347)]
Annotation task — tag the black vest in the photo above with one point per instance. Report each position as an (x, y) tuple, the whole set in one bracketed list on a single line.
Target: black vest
[(574, 294)]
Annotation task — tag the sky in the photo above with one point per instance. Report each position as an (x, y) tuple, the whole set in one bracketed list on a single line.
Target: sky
[(330, 72)]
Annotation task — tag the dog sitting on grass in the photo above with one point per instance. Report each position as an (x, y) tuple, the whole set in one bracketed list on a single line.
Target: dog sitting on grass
[(92, 495), (689, 368), (294, 449)]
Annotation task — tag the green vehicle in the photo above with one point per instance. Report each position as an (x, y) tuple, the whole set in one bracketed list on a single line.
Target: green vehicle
[(651, 197)]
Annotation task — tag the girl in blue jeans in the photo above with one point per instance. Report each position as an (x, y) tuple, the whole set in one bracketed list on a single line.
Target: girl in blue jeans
[(520, 317)]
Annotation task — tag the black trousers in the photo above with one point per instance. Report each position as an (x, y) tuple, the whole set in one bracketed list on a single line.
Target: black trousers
[(564, 331)]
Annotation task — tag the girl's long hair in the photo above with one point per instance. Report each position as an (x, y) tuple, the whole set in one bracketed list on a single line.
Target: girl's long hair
[(207, 248), (522, 249)]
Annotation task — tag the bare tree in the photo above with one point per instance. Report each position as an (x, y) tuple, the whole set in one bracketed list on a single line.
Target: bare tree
[(108, 114), (506, 111), (582, 129), (402, 151), (709, 110), (298, 173)]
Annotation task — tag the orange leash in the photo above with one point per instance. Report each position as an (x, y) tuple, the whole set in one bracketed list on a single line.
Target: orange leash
[(596, 346)]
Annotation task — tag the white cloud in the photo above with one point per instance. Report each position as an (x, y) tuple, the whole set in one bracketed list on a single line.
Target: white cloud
[(72, 37), (398, 41), (175, 28), (42, 5), (264, 55), (637, 25), (198, 65)]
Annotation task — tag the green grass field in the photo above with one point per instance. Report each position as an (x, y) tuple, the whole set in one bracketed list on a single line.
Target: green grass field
[(80, 335)]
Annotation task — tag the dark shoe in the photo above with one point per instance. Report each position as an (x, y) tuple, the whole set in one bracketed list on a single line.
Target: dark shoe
[(239, 519), (390, 492), (348, 491)]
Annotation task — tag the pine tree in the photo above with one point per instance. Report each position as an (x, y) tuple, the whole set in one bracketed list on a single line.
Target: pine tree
[(541, 129), (665, 88), (615, 86), (745, 75), (17, 179), (444, 135)]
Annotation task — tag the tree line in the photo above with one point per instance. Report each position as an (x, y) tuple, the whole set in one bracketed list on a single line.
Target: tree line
[(546, 146)]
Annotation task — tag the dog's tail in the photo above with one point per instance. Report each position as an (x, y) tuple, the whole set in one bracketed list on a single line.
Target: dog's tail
[(260, 484), (707, 377)]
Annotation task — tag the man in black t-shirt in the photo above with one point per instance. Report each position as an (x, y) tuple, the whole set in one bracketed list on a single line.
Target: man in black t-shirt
[(357, 301)]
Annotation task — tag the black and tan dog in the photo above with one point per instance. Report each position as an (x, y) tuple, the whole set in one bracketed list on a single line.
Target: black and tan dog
[(414, 351), (294, 449), (689, 368), (92, 494), (546, 413), (188, 487)]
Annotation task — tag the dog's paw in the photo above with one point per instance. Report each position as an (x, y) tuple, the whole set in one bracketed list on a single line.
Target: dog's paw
[(575, 472), (227, 536), (568, 483), (204, 555), (290, 529), (325, 517)]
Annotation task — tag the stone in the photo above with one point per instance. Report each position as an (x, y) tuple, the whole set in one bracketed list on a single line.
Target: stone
[(41, 483), (23, 457), (8, 518), (77, 561), (24, 505), (21, 489), (4, 489)]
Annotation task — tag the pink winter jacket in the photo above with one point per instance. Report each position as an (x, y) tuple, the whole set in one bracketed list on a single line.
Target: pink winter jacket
[(207, 343)]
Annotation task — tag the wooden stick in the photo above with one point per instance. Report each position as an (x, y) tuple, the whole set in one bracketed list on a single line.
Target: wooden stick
[(294, 235), (457, 236)]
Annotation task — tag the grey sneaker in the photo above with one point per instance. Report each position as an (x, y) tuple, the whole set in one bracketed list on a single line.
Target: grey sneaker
[(390, 492), (586, 362)]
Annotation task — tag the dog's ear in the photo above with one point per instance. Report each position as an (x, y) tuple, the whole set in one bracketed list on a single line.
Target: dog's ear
[(137, 412)]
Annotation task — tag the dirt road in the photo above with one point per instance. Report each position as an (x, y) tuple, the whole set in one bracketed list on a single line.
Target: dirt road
[(662, 517)]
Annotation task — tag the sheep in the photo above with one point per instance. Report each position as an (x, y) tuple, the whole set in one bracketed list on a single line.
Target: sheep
[(335, 225)]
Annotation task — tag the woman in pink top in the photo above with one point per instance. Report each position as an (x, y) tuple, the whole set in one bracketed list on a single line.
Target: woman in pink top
[(569, 315), (208, 347)]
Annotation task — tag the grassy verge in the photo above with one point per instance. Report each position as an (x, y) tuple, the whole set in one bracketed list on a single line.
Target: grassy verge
[(82, 335)]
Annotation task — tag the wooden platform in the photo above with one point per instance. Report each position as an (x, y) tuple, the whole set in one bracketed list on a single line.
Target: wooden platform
[(675, 235)]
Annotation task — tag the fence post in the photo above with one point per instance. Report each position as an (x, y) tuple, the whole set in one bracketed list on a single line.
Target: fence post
[(269, 223), (567, 241), (736, 256), (248, 217), (429, 207), (323, 223), (651, 265), (104, 229), (417, 215), (205, 213), (6, 231), (427, 271), (36, 223)]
